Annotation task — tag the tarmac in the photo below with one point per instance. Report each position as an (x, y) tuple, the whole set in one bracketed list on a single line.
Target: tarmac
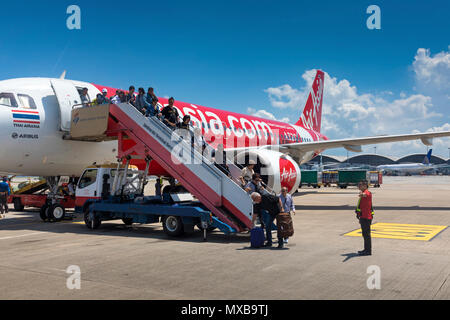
[(320, 261)]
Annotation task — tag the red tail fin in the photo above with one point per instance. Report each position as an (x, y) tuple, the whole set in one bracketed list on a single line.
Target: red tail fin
[(312, 114)]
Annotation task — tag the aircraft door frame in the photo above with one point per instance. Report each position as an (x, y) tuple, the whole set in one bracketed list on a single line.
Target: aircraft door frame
[(67, 96)]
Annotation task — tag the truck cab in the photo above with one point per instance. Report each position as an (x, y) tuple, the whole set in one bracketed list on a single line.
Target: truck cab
[(99, 181)]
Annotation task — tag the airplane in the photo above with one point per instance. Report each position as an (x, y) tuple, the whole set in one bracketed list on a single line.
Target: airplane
[(35, 119), (409, 168)]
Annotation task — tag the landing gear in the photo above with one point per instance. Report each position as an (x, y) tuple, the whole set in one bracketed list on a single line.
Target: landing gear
[(43, 212), (52, 210), (56, 212)]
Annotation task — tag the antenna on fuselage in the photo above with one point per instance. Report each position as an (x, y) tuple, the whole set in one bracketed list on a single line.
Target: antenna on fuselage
[(63, 75)]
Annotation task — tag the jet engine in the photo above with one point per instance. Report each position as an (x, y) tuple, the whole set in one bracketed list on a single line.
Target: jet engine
[(277, 169)]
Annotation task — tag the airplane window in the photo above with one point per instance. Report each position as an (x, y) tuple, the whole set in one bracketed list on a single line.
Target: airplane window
[(7, 99), (26, 101), (88, 178)]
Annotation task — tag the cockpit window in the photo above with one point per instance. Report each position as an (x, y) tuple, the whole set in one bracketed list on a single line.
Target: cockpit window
[(7, 99), (26, 101)]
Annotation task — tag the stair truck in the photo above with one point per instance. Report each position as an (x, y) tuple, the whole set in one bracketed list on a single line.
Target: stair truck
[(211, 200)]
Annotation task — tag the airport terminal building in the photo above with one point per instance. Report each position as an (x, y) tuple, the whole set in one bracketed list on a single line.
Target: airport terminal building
[(371, 161)]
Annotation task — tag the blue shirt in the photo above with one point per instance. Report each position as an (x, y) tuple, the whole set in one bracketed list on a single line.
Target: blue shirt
[(4, 187), (287, 202)]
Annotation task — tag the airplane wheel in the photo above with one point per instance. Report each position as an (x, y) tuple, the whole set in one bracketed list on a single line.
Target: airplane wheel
[(56, 213), (173, 226), (43, 212), (18, 205)]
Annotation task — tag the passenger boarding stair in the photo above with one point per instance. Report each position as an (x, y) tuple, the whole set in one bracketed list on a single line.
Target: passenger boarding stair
[(151, 138)]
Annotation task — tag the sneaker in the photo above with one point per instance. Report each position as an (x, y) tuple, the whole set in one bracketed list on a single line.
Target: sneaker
[(286, 241), (268, 245), (280, 246), (364, 253)]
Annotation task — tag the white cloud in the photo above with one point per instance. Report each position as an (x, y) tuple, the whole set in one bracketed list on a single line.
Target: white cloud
[(349, 113), (434, 70), (432, 76)]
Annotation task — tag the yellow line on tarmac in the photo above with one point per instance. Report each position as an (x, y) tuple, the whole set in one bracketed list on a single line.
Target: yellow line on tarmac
[(401, 231)]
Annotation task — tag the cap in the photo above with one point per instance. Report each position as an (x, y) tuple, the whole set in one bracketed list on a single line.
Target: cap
[(105, 90)]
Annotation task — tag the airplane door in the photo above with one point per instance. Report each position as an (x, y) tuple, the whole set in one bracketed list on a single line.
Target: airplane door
[(67, 96)]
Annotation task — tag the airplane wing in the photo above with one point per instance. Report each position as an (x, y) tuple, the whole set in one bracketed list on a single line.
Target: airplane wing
[(354, 144), (297, 150)]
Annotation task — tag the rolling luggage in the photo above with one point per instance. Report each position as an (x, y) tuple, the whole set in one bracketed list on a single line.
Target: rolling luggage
[(257, 237), (285, 225)]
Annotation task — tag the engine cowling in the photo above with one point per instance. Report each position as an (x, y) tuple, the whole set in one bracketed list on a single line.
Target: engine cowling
[(277, 169)]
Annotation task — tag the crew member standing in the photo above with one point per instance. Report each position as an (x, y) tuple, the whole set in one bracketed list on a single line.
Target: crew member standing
[(5, 191), (364, 213)]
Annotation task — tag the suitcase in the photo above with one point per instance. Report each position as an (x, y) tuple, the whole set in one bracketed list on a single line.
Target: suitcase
[(257, 237), (285, 225)]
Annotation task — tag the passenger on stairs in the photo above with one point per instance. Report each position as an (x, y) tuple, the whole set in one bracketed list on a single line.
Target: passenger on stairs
[(186, 123), (105, 96), (255, 185), (151, 96), (220, 160), (116, 98), (100, 99), (247, 173), (123, 97), (199, 142), (131, 98), (170, 115), (153, 110), (141, 103)]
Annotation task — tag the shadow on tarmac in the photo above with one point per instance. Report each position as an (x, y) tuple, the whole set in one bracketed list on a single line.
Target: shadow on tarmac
[(29, 221), (349, 256), (352, 208)]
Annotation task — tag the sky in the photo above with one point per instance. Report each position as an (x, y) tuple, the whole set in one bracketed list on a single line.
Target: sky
[(255, 57)]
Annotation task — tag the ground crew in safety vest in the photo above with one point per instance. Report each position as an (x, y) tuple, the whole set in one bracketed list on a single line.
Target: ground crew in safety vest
[(364, 213)]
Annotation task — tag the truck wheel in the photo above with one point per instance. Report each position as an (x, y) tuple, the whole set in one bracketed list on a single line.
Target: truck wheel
[(56, 213), (43, 212), (128, 221), (89, 223), (173, 226), (18, 205)]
